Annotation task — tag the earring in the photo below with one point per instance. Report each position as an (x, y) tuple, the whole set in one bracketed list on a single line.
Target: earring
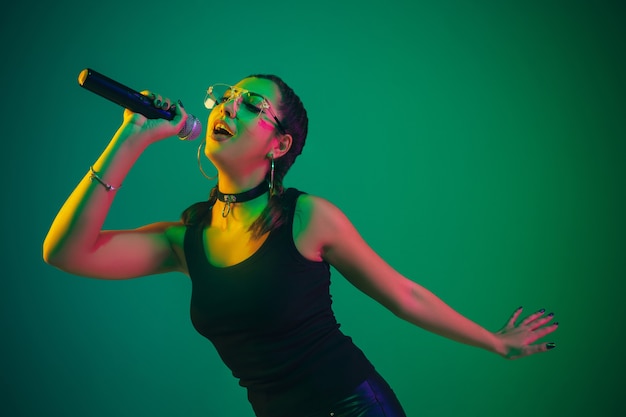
[(271, 155), (200, 163)]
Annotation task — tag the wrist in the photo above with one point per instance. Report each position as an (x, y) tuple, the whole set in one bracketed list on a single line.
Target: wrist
[(131, 138), (497, 346), (93, 176)]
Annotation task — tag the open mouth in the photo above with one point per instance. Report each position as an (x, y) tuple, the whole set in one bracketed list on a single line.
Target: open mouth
[(222, 129)]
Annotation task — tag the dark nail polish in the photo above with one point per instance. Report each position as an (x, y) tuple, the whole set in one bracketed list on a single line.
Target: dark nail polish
[(158, 103), (543, 310), (556, 323), (180, 103), (551, 315), (551, 345)]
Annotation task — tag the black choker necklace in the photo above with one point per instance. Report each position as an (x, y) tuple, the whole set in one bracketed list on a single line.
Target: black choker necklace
[(257, 191)]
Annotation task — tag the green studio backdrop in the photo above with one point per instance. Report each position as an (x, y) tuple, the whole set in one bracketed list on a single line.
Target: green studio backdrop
[(477, 146)]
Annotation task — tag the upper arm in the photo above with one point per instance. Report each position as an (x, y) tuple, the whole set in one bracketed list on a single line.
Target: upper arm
[(341, 245), (120, 254)]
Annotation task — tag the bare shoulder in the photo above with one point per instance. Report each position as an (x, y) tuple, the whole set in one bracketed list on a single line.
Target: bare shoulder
[(316, 211), (160, 227), (327, 229), (173, 230), (317, 222)]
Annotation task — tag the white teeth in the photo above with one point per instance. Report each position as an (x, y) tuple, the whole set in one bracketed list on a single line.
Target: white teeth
[(223, 127)]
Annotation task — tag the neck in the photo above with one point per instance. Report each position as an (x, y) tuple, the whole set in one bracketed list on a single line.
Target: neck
[(235, 178)]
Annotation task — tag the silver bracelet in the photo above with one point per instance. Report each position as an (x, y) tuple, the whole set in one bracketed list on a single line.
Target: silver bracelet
[(93, 175)]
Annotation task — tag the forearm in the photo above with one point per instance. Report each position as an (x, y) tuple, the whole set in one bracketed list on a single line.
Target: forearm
[(424, 309), (76, 227)]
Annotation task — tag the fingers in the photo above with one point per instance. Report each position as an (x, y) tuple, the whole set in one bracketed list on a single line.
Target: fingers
[(539, 328), (167, 104), (531, 350), (158, 101), (520, 338), (514, 317), (536, 324), (533, 322), (539, 348), (533, 317), (162, 126), (543, 331)]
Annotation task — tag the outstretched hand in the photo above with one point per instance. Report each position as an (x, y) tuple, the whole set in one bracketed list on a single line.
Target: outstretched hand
[(518, 339)]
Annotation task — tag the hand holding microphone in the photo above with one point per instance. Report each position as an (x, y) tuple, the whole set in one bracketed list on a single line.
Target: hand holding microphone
[(134, 101)]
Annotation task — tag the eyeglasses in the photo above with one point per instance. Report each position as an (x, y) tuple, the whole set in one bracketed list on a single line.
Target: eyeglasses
[(254, 103)]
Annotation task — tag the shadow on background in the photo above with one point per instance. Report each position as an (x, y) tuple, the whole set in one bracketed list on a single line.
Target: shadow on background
[(479, 148)]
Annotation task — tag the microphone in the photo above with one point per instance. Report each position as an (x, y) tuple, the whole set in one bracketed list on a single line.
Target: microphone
[(134, 101)]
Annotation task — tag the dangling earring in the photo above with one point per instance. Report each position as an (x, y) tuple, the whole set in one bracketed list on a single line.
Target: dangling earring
[(271, 155), (200, 163)]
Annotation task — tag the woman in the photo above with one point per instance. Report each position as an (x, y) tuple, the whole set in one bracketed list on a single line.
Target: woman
[(259, 259)]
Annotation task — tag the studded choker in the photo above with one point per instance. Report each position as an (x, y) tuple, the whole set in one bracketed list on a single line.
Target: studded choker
[(229, 199)]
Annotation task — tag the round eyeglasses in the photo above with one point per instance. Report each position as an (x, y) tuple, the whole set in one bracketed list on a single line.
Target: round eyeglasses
[(254, 103)]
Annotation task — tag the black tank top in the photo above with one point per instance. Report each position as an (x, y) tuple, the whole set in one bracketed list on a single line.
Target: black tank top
[(270, 319)]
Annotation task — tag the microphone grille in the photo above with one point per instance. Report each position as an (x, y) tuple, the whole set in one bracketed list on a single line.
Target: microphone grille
[(192, 128)]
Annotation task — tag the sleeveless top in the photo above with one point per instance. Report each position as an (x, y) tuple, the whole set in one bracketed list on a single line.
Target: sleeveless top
[(270, 320)]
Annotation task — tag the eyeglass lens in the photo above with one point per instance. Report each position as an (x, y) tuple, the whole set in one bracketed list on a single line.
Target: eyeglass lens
[(221, 93)]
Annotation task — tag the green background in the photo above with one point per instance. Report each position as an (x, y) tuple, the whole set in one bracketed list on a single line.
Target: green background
[(477, 146)]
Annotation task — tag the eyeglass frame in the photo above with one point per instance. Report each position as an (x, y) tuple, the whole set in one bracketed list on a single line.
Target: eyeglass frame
[(237, 92)]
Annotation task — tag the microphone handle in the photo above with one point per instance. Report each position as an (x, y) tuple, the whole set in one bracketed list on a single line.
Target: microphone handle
[(120, 94)]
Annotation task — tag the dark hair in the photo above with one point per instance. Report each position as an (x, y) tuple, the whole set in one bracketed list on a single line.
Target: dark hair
[(294, 119)]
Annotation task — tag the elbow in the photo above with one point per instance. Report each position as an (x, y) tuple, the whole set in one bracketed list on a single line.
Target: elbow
[(52, 254), (59, 261), (400, 310), (49, 257), (47, 253), (398, 306), (408, 303)]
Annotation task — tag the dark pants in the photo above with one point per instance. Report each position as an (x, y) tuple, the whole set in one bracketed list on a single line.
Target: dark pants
[(373, 398)]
